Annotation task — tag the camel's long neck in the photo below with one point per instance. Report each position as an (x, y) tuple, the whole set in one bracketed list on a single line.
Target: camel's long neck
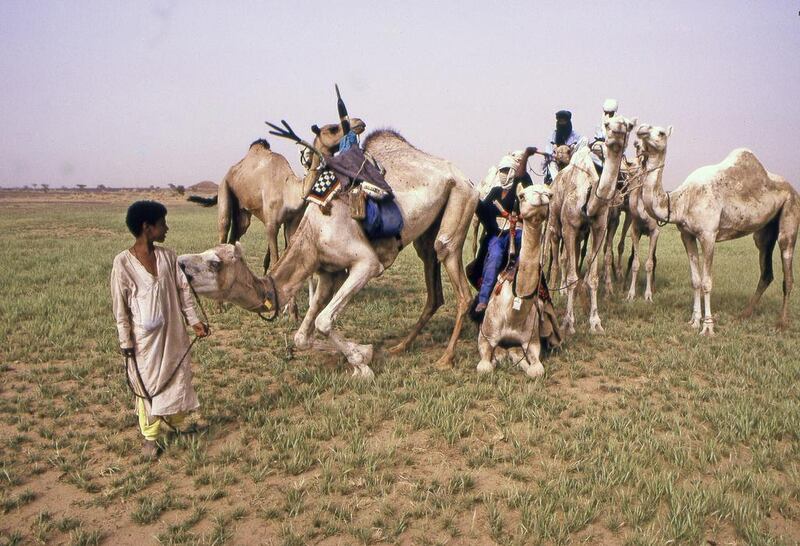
[(529, 269), (298, 263), (607, 185), (656, 200)]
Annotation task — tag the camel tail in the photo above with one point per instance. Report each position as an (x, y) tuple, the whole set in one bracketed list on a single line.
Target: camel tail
[(229, 228), (203, 201)]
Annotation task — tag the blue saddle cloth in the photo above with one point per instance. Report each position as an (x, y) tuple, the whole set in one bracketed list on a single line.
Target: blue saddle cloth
[(382, 220)]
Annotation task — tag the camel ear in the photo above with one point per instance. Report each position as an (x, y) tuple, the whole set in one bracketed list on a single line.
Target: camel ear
[(238, 250), (315, 129), (669, 130)]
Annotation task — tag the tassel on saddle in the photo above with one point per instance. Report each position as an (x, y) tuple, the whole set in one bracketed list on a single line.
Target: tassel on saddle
[(358, 203)]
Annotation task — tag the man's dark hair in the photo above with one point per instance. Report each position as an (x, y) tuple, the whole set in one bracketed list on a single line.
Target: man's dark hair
[(144, 212)]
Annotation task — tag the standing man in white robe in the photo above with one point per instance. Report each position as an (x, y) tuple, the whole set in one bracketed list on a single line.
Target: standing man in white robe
[(152, 303)]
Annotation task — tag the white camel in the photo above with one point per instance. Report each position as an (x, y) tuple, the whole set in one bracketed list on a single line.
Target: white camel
[(722, 202)]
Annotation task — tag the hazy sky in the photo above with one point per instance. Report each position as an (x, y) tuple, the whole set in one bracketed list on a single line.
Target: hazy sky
[(155, 92)]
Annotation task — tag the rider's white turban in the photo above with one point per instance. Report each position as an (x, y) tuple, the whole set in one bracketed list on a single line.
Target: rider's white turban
[(610, 106), (510, 162)]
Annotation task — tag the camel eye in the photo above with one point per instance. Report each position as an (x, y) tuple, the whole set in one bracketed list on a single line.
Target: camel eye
[(214, 265), (662, 133)]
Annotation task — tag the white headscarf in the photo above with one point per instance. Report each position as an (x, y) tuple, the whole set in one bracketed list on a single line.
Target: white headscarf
[(509, 161)]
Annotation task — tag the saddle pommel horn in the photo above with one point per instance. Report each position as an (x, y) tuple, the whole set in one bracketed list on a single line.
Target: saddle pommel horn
[(343, 117)]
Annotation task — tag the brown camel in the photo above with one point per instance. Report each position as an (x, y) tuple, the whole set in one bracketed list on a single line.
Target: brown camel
[(641, 223), (437, 202), (263, 185), (579, 205), (721, 202)]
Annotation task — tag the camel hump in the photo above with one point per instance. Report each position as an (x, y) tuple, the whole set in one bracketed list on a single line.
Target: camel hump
[(742, 162), (261, 143)]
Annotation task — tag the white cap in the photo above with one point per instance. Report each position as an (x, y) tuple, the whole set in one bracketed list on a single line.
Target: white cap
[(610, 105), (511, 160)]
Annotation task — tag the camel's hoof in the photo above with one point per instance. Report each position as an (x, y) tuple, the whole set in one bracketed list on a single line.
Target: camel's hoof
[(363, 373), (485, 367), (648, 297), (596, 329), (535, 370), (782, 325), (746, 314), (631, 296), (707, 330), (400, 348), (444, 363), (694, 323)]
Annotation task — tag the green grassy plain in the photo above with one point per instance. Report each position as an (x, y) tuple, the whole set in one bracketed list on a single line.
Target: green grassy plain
[(649, 434)]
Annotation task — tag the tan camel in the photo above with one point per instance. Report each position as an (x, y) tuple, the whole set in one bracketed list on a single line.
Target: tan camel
[(579, 205), (263, 185), (641, 223), (722, 202), (437, 202), (517, 325)]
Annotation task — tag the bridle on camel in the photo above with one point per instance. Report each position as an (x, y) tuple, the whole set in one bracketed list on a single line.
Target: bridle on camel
[(140, 390), (272, 298)]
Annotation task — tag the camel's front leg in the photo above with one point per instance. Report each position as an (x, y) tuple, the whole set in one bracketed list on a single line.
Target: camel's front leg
[(486, 350), (690, 244), (527, 356), (359, 356), (635, 239), (650, 265), (598, 238), (621, 246), (326, 285), (571, 270), (707, 241)]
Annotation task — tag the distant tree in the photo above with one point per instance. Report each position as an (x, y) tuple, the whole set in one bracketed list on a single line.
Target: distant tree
[(34, 186), (180, 190), (45, 187), (101, 187), (81, 186)]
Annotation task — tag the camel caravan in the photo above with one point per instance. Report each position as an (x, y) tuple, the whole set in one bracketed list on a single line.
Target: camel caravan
[(359, 203)]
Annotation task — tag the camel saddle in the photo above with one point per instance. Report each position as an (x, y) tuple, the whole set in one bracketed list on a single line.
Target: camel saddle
[(353, 166)]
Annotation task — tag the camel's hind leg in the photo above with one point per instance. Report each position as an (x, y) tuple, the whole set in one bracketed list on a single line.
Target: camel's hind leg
[(424, 246), (787, 239), (449, 247), (765, 240)]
